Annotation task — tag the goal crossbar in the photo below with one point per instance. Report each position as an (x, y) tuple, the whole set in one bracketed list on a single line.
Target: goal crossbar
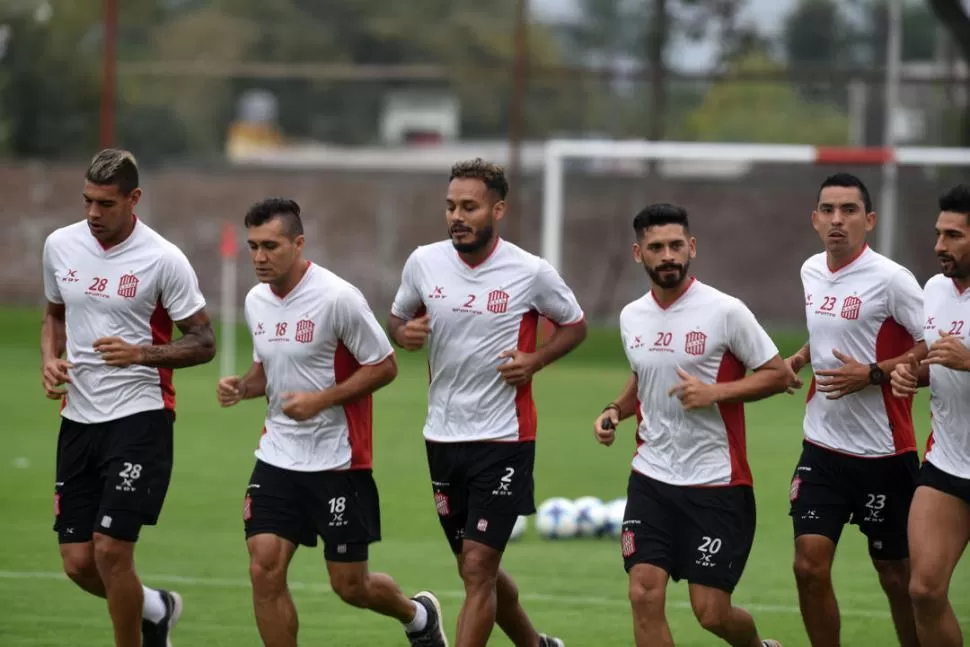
[(557, 151)]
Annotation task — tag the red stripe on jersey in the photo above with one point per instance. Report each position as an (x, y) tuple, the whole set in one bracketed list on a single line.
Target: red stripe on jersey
[(929, 444), (892, 341), (811, 390), (161, 325), (525, 406), (636, 434), (732, 413), (359, 413)]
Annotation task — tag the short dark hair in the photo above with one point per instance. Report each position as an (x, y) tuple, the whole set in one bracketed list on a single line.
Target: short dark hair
[(659, 214), (265, 210), (492, 175), (848, 180), (957, 200), (114, 166)]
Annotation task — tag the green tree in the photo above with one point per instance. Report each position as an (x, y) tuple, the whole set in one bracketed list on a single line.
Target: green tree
[(764, 112)]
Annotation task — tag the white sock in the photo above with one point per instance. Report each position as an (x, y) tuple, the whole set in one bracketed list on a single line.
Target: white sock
[(154, 609), (420, 620)]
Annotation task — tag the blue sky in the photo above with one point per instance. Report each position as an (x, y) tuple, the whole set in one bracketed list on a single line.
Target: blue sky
[(767, 14)]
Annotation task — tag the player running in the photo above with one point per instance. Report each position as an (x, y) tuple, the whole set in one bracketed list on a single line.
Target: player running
[(114, 286), (477, 299), (939, 518), (318, 355), (690, 511), (859, 461)]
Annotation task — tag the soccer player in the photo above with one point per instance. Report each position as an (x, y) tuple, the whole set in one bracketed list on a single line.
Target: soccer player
[(113, 287), (318, 355), (690, 511), (477, 300), (859, 461), (939, 518)]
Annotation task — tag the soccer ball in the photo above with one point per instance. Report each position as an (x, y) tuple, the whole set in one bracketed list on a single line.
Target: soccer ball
[(590, 516), (519, 528), (614, 517), (556, 519)]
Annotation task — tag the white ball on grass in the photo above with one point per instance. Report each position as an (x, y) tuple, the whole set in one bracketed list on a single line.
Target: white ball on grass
[(590, 516), (556, 519), (613, 525)]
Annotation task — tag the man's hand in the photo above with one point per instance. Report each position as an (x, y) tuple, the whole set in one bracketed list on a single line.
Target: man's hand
[(905, 377), (949, 351), (604, 429), (53, 375), (115, 351), (301, 406), (520, 369), (413, 334), (693, 393), (851, 377), (230, 390), (795, 363)]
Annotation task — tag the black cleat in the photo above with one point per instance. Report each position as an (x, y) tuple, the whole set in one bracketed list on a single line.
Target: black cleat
[(550, 641), (433, 634), (156, 634)]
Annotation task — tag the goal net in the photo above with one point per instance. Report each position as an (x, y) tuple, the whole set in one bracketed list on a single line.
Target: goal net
[(749, 207)]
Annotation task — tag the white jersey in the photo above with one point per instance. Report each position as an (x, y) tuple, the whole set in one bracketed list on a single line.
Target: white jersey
[(476, 313), (871, 310), (948, 447), (714, 337), (315, 337), (134, 290)]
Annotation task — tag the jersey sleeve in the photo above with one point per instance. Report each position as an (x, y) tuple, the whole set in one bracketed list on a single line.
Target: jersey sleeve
[(358, 329), (51, 290), (553, 298), (408, 300), (180, 293), (906, 303), (747, 339)]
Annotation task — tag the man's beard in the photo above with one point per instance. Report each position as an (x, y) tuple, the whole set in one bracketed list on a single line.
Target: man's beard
[(482, 238), (669, 280), (957, 270)]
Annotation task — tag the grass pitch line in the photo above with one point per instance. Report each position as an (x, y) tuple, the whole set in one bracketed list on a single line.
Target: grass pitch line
[(581, 600)]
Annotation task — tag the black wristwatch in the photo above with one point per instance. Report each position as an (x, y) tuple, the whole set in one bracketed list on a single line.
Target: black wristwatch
[(876, 374)]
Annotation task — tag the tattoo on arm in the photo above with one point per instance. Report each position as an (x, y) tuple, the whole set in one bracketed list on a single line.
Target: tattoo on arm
[(197, 345)]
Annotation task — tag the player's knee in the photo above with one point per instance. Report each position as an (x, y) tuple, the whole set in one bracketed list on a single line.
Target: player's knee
[(267, 573), (893, 577), (926, 593), (711, 615), (644, 598), (78, 561), (112, 555), (810, 571), (352, 589), (479, 568)]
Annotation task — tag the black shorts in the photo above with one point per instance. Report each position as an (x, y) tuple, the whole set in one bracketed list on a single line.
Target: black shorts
[(481, 488), (342, 506), (701, 534), (829, 489), (932, 476), (112, 476)]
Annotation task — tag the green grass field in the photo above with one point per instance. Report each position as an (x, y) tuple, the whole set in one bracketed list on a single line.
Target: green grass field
[(573, 589)]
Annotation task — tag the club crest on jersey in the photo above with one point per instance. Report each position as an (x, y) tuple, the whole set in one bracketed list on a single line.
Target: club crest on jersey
[(128, 286), (695, 342), (304, 331), (627, 544), (851, 307), (498, 301)]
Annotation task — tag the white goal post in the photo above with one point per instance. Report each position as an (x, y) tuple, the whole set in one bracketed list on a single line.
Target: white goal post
[(558, 151)]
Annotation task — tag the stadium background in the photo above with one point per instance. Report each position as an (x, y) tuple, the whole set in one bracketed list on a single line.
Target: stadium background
[(356, 109)]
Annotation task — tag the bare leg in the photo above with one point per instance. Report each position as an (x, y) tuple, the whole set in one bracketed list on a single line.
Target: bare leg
[(115, 561), (509, 614), (894, 579), (479, 571), (714, 611), (648, 599), (939, 530), (375, 591), (814, 555), (276, 618)]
